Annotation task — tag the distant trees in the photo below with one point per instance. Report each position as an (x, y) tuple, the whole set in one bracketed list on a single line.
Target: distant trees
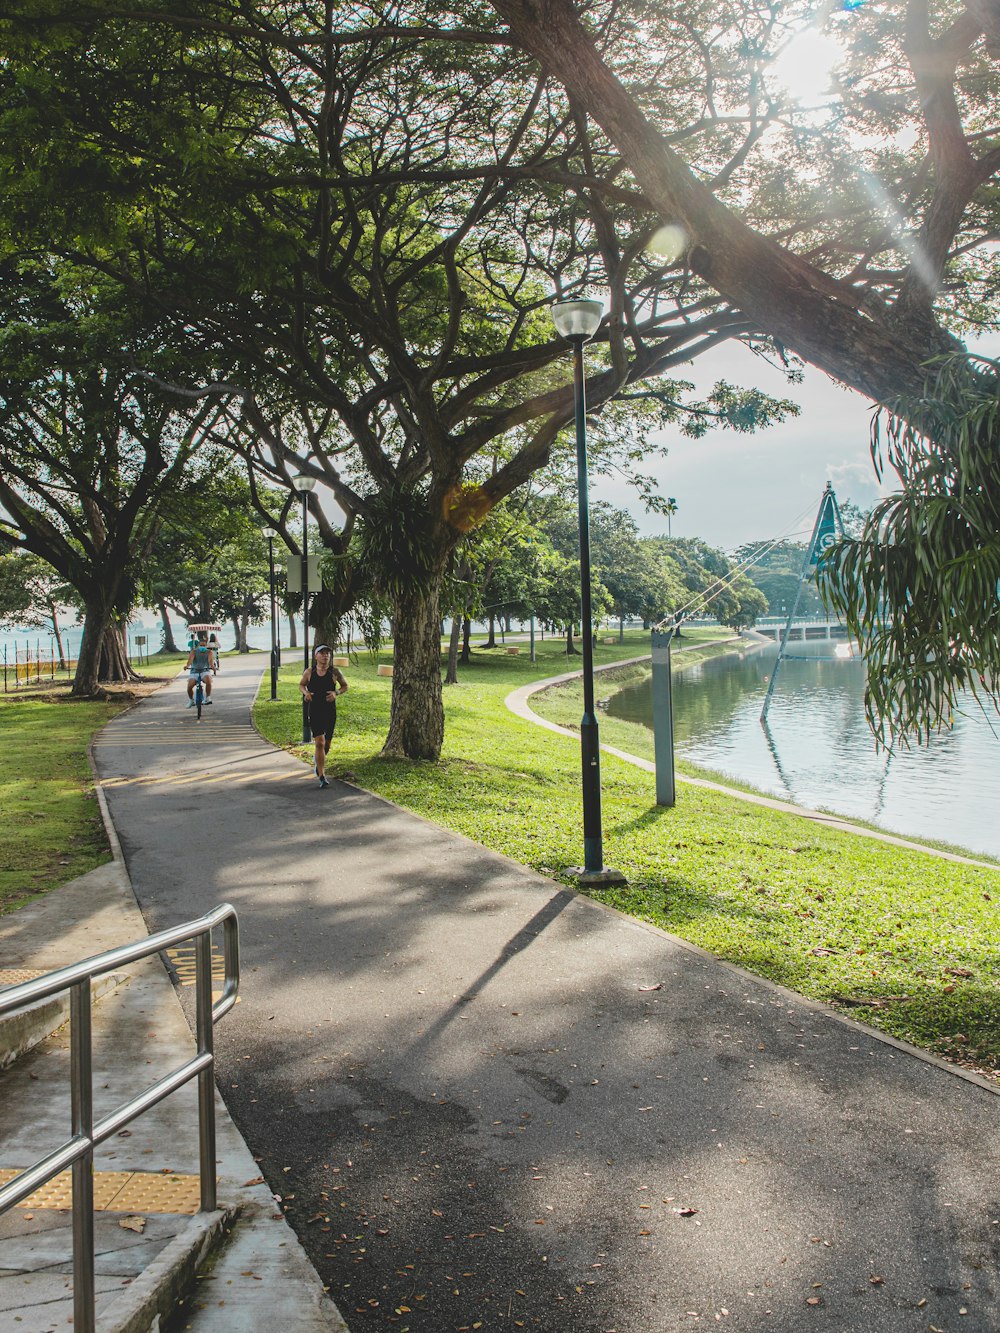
[(88, 451), (776, 570), (32, 596), (207, 559)]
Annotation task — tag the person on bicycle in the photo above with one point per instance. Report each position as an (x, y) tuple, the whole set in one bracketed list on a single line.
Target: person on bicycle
[(199, 663), (320, 686)]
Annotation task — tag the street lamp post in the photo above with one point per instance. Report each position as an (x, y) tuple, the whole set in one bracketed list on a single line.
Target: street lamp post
[(577, 322), (304, 485), (270, 534)]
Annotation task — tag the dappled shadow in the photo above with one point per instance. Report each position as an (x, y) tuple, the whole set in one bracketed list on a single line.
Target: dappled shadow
[(483, 1098)]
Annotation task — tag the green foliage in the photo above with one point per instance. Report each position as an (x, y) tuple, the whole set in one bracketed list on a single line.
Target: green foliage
[(710, 583), (776, 571), (396, 543), (920, 586)]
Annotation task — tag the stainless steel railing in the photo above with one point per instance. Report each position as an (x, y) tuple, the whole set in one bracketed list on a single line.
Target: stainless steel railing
[(78, 1150)]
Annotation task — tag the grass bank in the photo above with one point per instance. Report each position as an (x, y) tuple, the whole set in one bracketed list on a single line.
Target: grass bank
[(898, 938), (51, 829)]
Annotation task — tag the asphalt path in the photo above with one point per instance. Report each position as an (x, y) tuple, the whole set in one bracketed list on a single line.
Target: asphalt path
[(488, 1103)]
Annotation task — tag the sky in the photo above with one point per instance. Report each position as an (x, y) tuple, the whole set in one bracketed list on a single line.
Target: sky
[(733, 488)]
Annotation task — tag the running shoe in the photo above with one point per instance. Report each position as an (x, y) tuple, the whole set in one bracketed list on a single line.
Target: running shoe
[(190, 703), (209, 701), (323, 782)]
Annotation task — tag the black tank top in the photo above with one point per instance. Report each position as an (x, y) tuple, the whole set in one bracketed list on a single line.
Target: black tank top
[(319, 687)]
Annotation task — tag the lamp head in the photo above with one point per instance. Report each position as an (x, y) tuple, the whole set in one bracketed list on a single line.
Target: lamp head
[(270, 533), (577, 320), (303, 483)]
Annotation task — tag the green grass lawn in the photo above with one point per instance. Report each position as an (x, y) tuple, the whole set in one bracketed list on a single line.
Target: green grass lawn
[(50, 824), (901, 939)]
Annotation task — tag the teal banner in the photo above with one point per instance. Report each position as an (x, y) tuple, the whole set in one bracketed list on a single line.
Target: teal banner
[(826, 529)]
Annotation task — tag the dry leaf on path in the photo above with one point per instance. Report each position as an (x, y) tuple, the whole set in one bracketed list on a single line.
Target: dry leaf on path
[(133, 1223)]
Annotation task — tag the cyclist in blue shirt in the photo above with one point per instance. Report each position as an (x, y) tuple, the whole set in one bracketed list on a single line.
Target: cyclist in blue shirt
[(199, 663)]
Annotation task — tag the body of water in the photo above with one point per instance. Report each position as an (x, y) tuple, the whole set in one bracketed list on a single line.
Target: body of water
[(817, 750), (17, 640)]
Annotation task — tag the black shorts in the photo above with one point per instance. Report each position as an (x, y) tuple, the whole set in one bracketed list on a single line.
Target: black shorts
[(322, 720)]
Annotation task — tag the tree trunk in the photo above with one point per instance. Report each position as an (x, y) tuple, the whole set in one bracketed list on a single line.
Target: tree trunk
[(168, 645), (293, 641), (491, 641), (57, 635), (242, 640), (456, 633), (466, 654), (416, 721), (570, 649), (97, 615), (115, 667)]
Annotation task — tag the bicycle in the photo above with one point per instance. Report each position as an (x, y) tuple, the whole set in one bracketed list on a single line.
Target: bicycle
[(199, 693)]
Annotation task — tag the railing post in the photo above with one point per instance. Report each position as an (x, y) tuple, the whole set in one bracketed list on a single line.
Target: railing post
[(82, 1113), (206, 1077)]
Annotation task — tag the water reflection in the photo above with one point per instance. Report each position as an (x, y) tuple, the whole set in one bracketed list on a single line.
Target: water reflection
[(816, 748)]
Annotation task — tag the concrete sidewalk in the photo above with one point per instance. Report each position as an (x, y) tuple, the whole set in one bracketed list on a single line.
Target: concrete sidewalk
[(488, 1103)]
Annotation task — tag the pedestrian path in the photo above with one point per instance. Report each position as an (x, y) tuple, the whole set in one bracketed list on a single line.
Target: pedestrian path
[(485, 1102)]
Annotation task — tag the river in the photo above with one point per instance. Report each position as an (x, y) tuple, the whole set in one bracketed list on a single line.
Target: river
[(817, 750)]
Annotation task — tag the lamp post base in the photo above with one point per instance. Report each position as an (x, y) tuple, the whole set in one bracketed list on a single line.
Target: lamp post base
[(603, 876)]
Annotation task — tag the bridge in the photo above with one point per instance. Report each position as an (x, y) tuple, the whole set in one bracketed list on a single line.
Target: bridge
[(770, 627)]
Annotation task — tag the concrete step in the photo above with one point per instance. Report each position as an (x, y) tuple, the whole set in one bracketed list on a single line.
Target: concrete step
[(24, 1029)]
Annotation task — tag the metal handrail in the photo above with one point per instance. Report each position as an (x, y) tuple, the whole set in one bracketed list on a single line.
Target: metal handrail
[(78, 1151)]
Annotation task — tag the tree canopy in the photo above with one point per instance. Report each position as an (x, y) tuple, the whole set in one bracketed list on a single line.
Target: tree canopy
[(360, 225)]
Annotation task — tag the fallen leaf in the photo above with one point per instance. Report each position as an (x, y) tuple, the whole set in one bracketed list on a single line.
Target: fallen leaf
[(133, 1223), (257, 1180), (875, 1280), (657, 985), (814, 1300), (684, 1212), (958, 972)]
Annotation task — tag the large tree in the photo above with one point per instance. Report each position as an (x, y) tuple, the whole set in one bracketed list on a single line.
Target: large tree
[(364, 221), (88, 451)]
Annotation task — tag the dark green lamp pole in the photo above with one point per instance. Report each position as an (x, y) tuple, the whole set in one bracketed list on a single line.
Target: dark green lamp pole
[(270, 534), (577, 322), (304, 485)]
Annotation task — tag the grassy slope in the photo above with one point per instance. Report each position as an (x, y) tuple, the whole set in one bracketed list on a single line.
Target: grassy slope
[(839, 918)]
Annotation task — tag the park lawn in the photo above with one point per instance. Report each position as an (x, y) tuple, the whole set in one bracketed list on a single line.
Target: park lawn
[(51, 829), (50, 824), (900, 939)]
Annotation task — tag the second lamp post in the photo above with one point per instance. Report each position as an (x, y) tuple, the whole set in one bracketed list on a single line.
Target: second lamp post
[(304, 485), (270, 534), (577, 322)]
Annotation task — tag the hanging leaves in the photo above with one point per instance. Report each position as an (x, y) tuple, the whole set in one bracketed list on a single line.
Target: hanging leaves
[(920, 587)]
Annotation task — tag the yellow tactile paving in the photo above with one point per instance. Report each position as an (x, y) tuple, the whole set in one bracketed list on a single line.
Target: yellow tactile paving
[(119, 1191), (188, 779), (13, 976)]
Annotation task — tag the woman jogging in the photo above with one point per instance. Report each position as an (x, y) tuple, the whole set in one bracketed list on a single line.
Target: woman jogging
[(320, 686)]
